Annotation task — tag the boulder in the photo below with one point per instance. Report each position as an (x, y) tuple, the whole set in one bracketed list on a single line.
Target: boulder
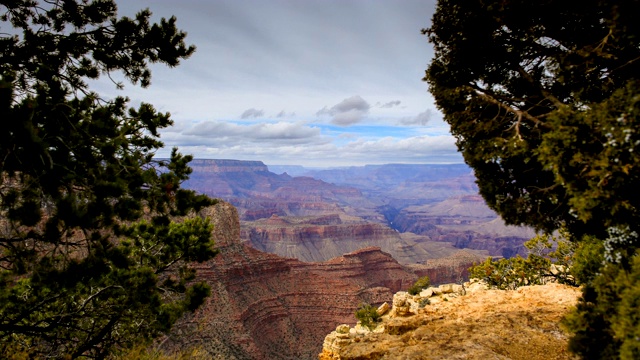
[(400, 299), (343, 329), (383, 309), (426, 293), (446, 288)]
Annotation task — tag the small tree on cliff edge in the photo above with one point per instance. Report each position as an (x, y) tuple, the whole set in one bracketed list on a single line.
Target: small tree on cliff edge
[(543, 98), (80, 272), (420, 284), (368, 316)]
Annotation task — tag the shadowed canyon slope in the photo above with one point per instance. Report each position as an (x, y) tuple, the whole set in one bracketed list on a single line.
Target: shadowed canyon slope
[(264, 306), (413, 212)]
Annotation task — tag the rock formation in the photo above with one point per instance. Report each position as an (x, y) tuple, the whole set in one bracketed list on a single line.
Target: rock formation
[(319, 238), (257, 192), (466, 223), (264, 306), (438, 203), (452, 322), (267, 307)]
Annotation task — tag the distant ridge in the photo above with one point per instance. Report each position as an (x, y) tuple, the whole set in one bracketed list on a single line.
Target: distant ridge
[(439, 203), (225, 165)]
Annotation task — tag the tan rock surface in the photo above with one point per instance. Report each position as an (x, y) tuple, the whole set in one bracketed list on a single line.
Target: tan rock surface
[(484, 324)]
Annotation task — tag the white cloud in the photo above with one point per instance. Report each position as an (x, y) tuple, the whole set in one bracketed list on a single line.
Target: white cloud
[(228, 134), (304, 144), (274, 64)]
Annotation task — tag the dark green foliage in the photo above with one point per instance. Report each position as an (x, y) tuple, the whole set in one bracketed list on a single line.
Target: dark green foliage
[(368, 316), (509, 274), (543, 98), (422, 283), (605, 322), (541, 265), (518, 81), (90, 258)]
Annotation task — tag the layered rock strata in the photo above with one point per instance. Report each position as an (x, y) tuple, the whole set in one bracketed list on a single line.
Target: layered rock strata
[(438, 202), (319, 238), (264, 306), (258, 193), (465, 222), (312, 238)]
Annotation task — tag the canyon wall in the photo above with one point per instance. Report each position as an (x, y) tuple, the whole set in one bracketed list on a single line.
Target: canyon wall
[(320, 238), (264, 306), (465, 222), (378, 205)]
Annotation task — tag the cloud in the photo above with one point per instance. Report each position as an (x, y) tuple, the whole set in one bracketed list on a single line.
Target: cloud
[(353, 103), (418, 149), (418, 144), (391, 104), (348, 117), (347, 112), (421, 119), (219, 133), (252, 113), (301, 143), (282, 114)]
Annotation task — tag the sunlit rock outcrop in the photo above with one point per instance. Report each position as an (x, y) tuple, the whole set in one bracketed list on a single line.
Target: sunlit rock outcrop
[(453, 321)]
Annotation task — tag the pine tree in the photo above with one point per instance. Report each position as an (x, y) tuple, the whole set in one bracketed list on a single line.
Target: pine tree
[(94, 238), (543, 99)]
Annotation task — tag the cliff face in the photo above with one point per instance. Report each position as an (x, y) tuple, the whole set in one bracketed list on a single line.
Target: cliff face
[(465, 222), (319, 238), (438, 202), (267, 307), (229, 179), (258, 193)]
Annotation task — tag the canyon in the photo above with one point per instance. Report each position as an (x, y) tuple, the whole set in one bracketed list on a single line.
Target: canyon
[(299, 253), (414, 212), (263, 306)]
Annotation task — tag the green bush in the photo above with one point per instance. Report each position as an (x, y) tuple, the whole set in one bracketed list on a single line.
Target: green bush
[(510, 274), (422, 283), (605, 323), (368, 316)]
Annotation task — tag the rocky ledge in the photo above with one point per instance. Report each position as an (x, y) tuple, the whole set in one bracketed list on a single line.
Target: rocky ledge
[(456, 322)]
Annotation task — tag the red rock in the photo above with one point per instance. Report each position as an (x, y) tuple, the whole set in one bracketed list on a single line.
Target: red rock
[(264, 306)]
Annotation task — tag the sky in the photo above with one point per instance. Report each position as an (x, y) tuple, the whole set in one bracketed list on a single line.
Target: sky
[(318, 83)]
